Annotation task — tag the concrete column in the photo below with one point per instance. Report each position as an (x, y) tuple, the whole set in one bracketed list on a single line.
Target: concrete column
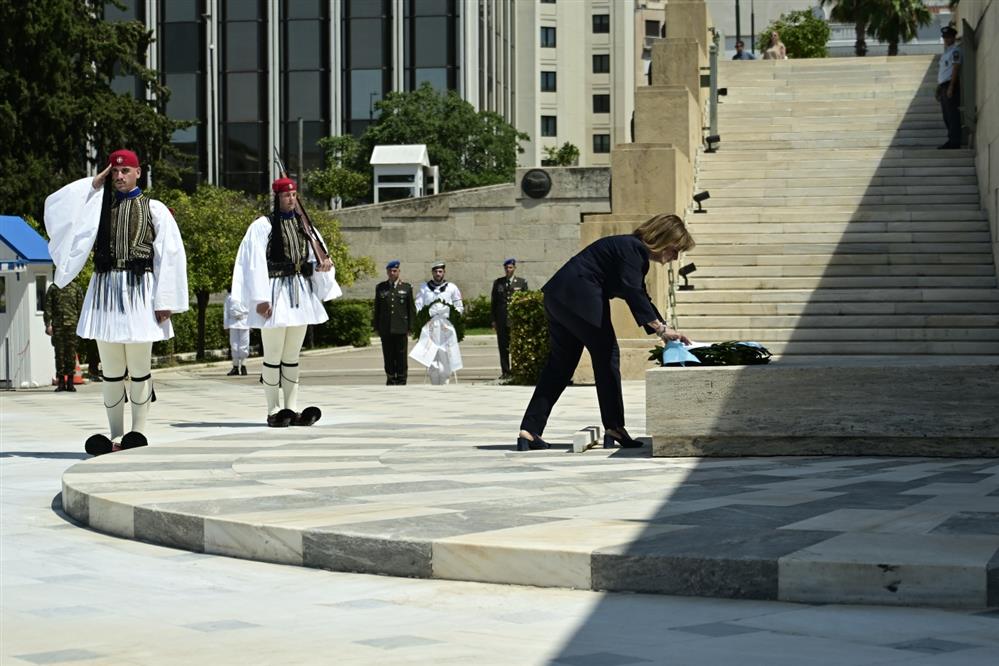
[(668, 114)]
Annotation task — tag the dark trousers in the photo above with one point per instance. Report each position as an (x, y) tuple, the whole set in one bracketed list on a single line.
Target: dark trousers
[(503, 340), (394, 348), (950, 107), (569, 334), (64, 341)]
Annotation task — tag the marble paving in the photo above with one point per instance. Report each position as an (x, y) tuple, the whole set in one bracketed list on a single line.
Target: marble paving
[(423, 481)]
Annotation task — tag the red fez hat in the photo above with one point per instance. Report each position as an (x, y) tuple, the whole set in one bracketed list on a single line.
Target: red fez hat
[(283, 185), (124, 158)]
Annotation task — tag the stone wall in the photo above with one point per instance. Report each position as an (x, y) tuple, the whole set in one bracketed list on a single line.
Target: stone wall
[(983, 16), (475, 230)]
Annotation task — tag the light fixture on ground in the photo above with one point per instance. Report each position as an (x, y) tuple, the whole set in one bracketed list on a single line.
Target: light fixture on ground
[(684, 272), (698, 198), (712, 141)]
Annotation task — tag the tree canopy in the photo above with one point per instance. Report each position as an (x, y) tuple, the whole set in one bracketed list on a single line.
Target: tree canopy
[(804, 35), (338, 180), (472, 148), (57, 102), (565, 155)]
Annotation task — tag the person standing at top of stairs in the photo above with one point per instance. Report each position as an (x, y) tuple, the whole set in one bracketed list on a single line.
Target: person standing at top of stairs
[(949, 87)]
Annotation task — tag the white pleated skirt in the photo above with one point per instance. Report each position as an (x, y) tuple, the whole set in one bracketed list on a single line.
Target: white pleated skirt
[(118, 307), (294, 302)]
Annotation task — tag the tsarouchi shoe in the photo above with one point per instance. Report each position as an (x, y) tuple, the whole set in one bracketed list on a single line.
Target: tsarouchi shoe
[(133, 440), (98, 445), (281, 419), (308, 416)]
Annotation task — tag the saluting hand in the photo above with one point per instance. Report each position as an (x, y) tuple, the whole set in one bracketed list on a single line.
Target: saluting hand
[(264, 310), (98, 181)]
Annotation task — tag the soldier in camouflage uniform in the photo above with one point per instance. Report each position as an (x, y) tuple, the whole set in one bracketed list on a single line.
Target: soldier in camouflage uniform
[(62, 312)]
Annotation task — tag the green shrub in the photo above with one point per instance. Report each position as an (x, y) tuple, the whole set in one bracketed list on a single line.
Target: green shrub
[(478, 312), (185, 332), (349, 323), (804, 35), (528, 336)]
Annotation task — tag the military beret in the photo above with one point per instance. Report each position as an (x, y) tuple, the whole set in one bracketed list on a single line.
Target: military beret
[(510, 262), (437, 264), (392, 264), (284, 185), (124, 158)]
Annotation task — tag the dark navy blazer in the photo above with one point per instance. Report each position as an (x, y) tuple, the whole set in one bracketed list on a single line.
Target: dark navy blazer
[(611, 267)]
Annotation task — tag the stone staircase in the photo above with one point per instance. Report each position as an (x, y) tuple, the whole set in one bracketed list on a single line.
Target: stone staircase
[(835, 227)]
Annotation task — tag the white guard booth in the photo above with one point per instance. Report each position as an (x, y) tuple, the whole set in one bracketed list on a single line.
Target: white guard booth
[(26, 356), (403, 172)]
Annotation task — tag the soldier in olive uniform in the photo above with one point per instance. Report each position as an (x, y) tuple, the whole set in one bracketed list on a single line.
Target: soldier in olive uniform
[(394, 317), (62, 312), (503, 290)]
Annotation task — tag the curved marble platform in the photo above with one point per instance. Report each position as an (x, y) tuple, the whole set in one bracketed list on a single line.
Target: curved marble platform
[(393, 488)]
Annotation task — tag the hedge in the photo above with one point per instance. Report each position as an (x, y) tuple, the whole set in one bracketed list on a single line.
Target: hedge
[(349, 324), (479, 312), (528, 336)]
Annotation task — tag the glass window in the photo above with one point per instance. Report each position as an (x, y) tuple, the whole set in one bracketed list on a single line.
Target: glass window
[(366, 39), (305, 45), (365, 90), (242, 46), (304, 96), (652, 28), (369, 8), (431, 7), (601, 104), (304, 9), (180, 10), (601, 23), (601, 63), (240, 10), (185, 96), (252, 182), (41, 282), (432, 35), (311, 155), (601, 143), (129, 13), (242, 97), (3, 294), (547, 37), (437, 77), (549, 126), (242, 146), (547, 81), (548, 2), (179, 47)]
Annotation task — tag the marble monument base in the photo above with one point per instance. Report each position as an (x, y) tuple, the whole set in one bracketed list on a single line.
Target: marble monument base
[(895, 409)]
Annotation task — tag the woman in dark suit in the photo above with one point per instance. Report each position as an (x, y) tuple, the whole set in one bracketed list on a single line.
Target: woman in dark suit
[(577, 306)]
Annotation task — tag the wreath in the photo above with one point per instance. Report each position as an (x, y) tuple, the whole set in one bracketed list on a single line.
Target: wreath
[(722, 353), (456, 318)]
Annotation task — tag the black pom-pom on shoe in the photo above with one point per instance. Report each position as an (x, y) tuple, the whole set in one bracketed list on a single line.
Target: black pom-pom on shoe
[(133, 440), (308, 416), (98, 445)]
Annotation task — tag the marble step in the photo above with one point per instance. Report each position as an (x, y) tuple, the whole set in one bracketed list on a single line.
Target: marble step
[(823, 308), (830, 295), (835, 214), (840, 348), (754, 283), (707, 223), (885, 156), (711, 270), (886, 141), (752, 178), (701, 321), (904, 201), (983, 340), (826, 133), (845, 239), (790, 188), (706, 249), (839, 259)]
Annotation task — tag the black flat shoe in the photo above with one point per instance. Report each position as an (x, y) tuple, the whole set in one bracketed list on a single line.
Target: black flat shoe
[(308, 416), (281, 419), (536, 444), (98, 445), (133, 440), (233, 373), (625, 442)]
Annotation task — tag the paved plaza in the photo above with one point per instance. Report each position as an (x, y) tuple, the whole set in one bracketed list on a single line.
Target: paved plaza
[(422, 481)]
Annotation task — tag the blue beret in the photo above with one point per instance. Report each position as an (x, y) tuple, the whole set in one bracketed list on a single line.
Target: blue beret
[(392, 264), (510, 261)]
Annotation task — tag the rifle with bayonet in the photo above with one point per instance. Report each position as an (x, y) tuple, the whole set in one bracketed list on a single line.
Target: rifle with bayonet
[(323, 261)]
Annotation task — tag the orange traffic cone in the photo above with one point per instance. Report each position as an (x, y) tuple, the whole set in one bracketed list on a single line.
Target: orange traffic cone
[(78, 373)]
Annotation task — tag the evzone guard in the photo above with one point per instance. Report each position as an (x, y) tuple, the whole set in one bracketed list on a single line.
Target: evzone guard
[(283, 273), (139, 281)]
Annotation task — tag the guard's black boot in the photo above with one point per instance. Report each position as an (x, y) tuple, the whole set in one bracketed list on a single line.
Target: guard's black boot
[(233, 373), (242, 370), (69, 385), (61, 386)]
